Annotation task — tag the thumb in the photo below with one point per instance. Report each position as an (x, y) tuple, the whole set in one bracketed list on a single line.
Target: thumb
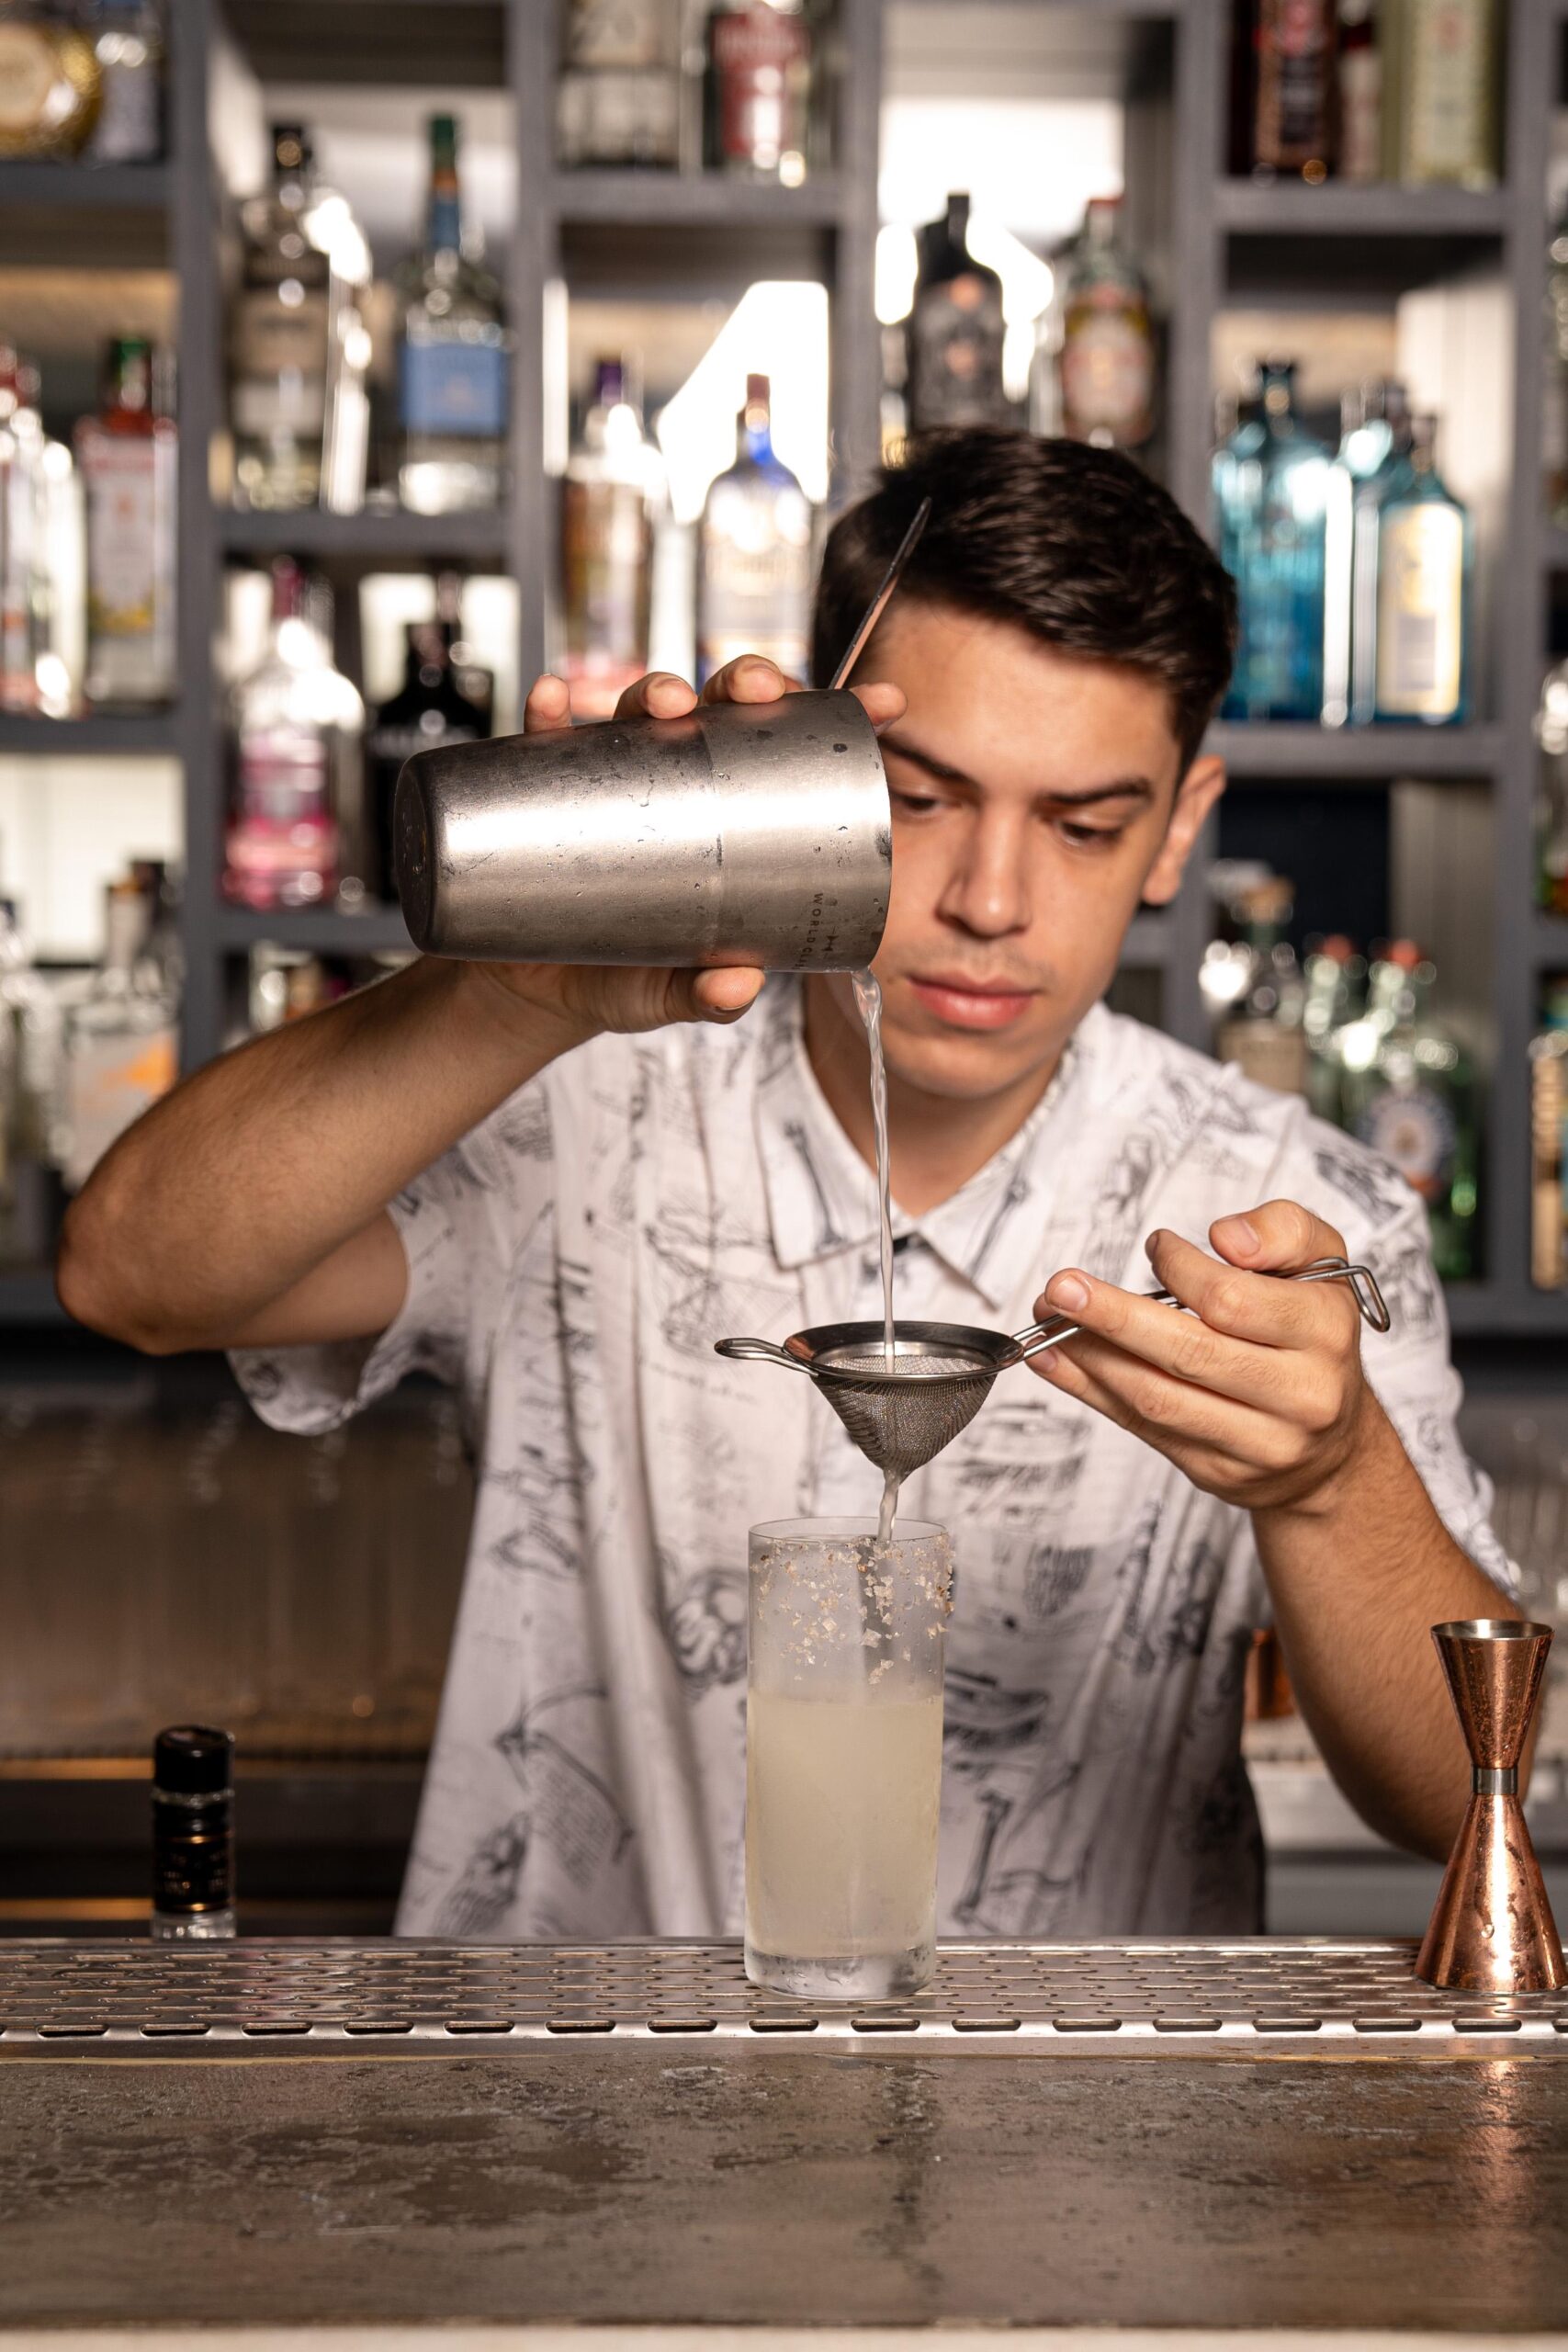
[(721, 995)]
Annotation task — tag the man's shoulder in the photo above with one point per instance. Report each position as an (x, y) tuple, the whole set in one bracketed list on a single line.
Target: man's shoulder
[(1199, 1104)]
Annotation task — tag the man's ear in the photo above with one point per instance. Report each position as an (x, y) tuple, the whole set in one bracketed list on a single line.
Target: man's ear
[(1195, 796)]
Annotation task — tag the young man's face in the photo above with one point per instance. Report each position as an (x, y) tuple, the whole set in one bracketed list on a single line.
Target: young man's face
[(1037, 799)]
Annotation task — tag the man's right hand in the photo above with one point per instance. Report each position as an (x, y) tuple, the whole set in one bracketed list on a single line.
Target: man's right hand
[(586, 1000)]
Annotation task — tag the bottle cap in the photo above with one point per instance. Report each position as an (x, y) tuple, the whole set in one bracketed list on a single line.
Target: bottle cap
[(193, 1760), (758, 391)]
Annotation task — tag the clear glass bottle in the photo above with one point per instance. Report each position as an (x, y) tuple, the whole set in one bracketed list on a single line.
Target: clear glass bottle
[(613, 478), (1551, 802), (121, 1037), (1549, 1144), (1107, 341), (1335, 975), (193, 1836), (1270, 488), (31, 1095), (21, 518), (453, 387), (429, 709), (1425, 553), (1412, 1097), (1441, 92), (758, 90), (618, 94), (955, 330), (278, 333), (1263, 1031), (1374, 425), (130, 465), (127, 41), (754, 554), (297, 730), (50, 85), (1295, 111)]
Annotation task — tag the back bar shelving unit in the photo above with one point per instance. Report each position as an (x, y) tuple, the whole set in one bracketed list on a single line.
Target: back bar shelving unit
[(1211, 240)]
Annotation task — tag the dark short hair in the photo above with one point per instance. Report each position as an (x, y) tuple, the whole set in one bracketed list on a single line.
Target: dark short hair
[(1076, 544)]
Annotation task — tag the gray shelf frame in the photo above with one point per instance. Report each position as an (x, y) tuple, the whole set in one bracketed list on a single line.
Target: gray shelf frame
[(1208, 224)]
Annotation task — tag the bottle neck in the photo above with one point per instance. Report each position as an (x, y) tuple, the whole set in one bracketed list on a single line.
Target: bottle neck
[(444, 230), (756, 434)]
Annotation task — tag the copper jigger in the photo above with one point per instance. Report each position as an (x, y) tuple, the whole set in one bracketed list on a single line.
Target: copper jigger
[(1491, 1929)]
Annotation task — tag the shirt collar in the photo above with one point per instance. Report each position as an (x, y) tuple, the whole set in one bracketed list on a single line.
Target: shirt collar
[(822, 1197)]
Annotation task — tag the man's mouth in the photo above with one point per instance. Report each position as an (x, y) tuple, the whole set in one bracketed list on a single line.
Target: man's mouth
[(971, 1004)]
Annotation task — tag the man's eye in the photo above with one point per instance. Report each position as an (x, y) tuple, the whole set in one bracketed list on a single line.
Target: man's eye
[(914, 804), (1089, 836)]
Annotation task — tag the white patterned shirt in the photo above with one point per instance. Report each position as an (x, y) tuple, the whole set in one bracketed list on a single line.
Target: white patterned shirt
[(570, 1264)]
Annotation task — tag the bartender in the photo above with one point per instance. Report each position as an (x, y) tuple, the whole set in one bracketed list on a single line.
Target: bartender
[(555, 1188)]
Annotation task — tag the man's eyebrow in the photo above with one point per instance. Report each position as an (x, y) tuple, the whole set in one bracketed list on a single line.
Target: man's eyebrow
[(1128, 788)]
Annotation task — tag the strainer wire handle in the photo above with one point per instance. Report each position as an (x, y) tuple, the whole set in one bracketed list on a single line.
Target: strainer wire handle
[(1055, 1328), (748, 1351)]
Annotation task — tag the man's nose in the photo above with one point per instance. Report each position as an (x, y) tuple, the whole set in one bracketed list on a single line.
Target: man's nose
[(987, 892)]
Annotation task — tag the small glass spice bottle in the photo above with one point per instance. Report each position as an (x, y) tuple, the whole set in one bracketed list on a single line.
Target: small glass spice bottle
[(193, 1835)]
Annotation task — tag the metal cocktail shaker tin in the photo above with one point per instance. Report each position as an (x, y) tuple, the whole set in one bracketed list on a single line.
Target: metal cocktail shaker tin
[(744, 833)]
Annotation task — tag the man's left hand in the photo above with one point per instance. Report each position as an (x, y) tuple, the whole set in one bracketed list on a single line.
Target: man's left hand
[(1258, 1394)]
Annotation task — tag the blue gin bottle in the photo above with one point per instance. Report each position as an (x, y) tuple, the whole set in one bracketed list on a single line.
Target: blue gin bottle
[(1270, 482)]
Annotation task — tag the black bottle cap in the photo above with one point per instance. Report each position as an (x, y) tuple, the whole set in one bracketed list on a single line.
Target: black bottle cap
[(192, 1760)]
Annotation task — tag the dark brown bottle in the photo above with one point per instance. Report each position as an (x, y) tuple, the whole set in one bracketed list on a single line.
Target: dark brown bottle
[(1296, 116)]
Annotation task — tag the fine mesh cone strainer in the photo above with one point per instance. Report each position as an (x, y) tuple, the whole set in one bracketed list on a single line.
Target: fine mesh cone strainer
[(902, 1416)]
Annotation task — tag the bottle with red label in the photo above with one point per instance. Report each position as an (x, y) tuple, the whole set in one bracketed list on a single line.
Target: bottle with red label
[(298, 731), (127, 456), (757, 112), (1108, 343), (1295, 123)]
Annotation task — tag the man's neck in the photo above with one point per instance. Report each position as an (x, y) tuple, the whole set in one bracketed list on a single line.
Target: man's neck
[(937, 1142)]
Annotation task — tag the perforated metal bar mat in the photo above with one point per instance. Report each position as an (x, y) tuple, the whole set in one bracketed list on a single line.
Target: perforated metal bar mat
[(1076, 1997)]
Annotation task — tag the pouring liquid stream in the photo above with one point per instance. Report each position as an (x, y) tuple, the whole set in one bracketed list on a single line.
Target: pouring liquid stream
[(868, 1002)]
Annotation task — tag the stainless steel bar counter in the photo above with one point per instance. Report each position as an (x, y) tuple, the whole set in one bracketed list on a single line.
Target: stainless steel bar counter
[(1259, 2134)]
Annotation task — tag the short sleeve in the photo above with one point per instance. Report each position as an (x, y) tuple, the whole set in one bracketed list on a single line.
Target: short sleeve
[(1408, 1367), (461, 1223)]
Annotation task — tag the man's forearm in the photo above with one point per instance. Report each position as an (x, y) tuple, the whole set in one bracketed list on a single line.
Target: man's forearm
[(1358, 1576), (245, 1179)]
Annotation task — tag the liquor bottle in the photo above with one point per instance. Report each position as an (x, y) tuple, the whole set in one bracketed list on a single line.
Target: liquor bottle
[(1297, 88), (1333, 973), (1374, 429), (618, 98), (128, 460), (279, 337), (1412, 1098), (1108, 344), (1549, 1145), (1552, 804), (1554, 385), (757, 95), (429, 709), (1271, 482), (193, 1836), (121, 1045), (1360, 93), (955, 330), (21, 506), (612, 477), (31, 1200), (1441, 105), (453, 367), (50, 85), (754, 554), (1262, 1032), (1425, 554), (127, 41), (297, 733)]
